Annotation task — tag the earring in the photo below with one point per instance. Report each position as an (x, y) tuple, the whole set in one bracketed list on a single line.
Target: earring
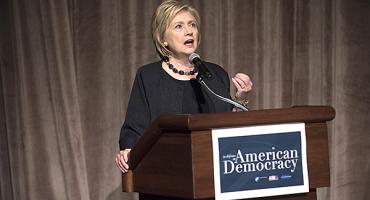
[(165, 44)]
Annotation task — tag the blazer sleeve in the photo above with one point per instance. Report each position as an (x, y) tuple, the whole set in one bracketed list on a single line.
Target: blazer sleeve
[(226, 81), (221, 85), (137, 116)]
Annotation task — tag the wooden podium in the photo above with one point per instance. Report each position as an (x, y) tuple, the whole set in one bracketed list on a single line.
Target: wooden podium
[(174, 156)]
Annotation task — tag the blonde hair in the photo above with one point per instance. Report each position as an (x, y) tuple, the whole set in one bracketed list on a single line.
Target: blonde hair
[(161, 20)]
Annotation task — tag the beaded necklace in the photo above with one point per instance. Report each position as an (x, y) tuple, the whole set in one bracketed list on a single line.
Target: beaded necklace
[(181, 72)]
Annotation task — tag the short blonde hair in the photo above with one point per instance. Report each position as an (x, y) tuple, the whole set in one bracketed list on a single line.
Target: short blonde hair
[(161, 20)]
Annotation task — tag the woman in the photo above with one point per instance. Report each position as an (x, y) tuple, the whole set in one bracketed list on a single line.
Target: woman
[(169, 86)]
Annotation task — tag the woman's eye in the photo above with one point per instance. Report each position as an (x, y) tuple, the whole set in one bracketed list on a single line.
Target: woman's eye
[(193, 25), (178, 26)]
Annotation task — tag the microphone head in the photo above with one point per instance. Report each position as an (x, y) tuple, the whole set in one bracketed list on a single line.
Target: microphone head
[(193, 56)]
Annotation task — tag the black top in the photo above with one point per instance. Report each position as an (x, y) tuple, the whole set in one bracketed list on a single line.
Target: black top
[(155, 92), (191, 97), (193, 100)]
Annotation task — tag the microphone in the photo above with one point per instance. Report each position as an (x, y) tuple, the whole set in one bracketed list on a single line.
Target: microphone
[(202, 69)]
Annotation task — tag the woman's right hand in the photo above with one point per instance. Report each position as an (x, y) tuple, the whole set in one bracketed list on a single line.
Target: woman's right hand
[(122, 160)]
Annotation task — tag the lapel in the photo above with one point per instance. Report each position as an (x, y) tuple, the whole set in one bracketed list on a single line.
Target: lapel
[(170, 95)]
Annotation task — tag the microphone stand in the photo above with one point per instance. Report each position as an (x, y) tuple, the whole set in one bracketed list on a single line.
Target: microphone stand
[(234, 103)]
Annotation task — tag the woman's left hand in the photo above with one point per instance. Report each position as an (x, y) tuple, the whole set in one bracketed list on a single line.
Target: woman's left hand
[(243, 86)]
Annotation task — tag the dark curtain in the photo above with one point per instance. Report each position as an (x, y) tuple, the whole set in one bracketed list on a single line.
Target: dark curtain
[(67, 67)]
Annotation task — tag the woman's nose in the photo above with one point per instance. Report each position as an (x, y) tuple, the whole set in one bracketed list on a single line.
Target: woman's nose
[(188, 30)]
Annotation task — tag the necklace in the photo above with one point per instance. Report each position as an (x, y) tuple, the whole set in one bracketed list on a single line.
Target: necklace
[(181, 72)]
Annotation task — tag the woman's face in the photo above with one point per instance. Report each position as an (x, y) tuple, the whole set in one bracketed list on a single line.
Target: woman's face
[(182, 34)]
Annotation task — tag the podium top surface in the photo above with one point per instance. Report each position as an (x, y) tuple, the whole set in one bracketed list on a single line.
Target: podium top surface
[(208, 121)]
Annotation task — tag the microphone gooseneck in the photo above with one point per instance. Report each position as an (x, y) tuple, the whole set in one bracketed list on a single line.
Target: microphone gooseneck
[(203, 72), (232, 102)]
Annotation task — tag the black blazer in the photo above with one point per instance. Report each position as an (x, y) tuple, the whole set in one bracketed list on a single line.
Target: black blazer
[(153, 94)]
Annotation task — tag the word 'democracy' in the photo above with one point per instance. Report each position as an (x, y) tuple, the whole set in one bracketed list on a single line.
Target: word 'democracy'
[(262, 161)]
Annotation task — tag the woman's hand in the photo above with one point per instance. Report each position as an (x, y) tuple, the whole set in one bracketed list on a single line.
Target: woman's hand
[(122, 160), (243, 86)]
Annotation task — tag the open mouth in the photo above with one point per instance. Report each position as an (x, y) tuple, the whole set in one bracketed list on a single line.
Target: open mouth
[(189, 42)]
